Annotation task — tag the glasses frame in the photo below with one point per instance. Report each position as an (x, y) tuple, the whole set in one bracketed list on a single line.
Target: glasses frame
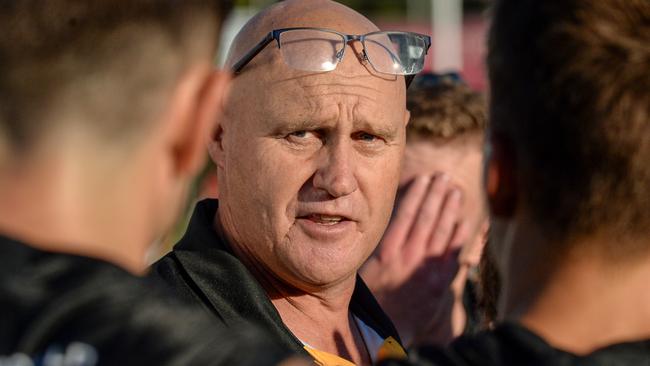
[(275, 35)]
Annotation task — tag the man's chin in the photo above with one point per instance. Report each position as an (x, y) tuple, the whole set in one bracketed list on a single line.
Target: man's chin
[(322, 276)]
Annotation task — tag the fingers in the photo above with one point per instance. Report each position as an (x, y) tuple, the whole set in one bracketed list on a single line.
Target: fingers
[(406, 214), (429, 213), (427, 221), (448, 229)]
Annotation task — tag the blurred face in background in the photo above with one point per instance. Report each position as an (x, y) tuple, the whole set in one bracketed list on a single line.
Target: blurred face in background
[(461, 158)]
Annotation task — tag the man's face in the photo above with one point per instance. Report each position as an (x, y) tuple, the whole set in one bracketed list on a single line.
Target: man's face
[(310, 167), (461, 159)]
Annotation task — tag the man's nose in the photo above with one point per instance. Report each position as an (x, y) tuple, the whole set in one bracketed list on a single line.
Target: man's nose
[(336, 174)]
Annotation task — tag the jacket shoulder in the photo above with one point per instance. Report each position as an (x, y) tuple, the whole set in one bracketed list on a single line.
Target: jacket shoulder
[(169, 275)]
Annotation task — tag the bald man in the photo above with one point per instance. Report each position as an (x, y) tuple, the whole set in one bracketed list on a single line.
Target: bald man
[(308, 160)]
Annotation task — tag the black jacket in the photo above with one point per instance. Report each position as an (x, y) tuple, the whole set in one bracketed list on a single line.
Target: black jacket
[(513, 345), (202, 268), (57, 304)]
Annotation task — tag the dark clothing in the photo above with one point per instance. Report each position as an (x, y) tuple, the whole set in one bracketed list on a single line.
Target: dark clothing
[(57, 304), (475, 321), (511, 344), (203, 268)]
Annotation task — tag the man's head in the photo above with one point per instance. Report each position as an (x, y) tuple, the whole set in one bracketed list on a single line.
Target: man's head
[(308, 162), (445, 135), (569, 128), (114, 94)]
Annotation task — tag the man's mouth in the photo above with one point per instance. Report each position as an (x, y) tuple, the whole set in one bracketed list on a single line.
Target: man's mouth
[(325, 219)]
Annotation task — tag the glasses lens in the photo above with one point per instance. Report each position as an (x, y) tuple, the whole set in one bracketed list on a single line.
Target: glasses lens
[(311, 50), (396, 53)]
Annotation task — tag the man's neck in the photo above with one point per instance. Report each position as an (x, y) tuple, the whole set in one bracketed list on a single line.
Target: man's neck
[(317, 316), (49, 206), (586, 303)]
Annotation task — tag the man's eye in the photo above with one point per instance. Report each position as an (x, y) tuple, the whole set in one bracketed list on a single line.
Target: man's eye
[(299, 134), (366, 137), (303, 137)]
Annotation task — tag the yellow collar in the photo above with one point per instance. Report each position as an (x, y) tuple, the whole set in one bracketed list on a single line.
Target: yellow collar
[(389, 349)]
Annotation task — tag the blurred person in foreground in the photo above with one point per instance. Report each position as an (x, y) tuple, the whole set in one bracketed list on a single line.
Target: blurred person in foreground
[(444, 144), (103, 110), (308, 157), (567, 180)]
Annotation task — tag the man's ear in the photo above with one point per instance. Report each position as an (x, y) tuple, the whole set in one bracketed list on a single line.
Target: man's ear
[(215, 147), (500, 180), (214, 138), (196, 105)]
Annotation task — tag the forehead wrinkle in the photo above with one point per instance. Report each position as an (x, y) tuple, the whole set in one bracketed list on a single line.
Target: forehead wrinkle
[(342, 85), (298, 109), (331, 89), (338, 88), (333, 78), (341, 109), (344, 94), (317, 96)]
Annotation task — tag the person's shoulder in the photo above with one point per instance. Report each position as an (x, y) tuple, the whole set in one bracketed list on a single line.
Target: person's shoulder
[(507, 344), (56, 299), (56, 305)]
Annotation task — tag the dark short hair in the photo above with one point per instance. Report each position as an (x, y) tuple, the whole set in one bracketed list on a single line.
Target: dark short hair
[(107, 59), (444, 109), (489, 287), (570, 87)]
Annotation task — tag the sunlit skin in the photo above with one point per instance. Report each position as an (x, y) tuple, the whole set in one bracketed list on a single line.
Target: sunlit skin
[(308, 165)]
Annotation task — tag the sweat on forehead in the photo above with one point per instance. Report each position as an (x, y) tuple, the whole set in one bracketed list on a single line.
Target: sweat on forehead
[(298, 13)]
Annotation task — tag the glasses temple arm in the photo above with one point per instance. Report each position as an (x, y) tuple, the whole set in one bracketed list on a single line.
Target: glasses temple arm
[(236, 68), (409, 78)]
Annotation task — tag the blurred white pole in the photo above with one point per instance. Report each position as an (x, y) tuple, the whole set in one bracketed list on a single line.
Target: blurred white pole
[(447, 28)]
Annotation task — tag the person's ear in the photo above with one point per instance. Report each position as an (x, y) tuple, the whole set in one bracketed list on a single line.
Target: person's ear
[(214, 140), (220, 86), (215, 146), (407, 117), (499, 177), (196, 105)]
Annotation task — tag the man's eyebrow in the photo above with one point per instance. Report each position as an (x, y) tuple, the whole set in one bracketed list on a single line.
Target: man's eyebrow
[(300, 125), (379, 129), (386, 131)]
